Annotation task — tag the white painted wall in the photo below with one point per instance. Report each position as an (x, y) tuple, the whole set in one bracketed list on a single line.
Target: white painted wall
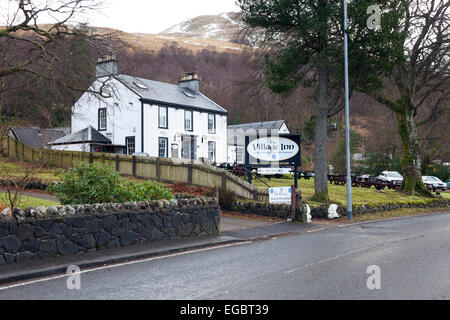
[(176, 130), (123, 113)]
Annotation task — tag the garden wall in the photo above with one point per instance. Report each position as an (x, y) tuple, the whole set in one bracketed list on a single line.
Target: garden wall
[(270, 210), (322, 212), (36, 233)]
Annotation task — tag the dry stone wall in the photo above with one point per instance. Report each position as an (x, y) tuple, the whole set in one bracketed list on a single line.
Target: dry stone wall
[(36, 233)]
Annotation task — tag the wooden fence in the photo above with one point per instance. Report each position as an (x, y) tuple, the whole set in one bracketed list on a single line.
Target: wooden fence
[(159, 169)]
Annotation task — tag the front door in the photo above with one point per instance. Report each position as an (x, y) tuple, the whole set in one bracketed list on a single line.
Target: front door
[(188, 149)]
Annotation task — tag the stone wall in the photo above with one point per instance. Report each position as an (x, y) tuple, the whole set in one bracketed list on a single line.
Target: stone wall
[(36, 233), (270, 210), (322, 212), (284, 211)]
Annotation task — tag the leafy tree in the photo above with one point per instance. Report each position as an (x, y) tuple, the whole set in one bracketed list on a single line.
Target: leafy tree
[(305, 48), (375, 163), (338, 161)]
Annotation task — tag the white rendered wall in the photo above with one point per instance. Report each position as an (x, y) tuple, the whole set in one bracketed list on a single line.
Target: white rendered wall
[(176, 130), (123, 114)]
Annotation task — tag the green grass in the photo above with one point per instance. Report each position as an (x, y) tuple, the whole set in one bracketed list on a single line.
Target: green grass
[(18, 170), (26, 202), (338, 194)]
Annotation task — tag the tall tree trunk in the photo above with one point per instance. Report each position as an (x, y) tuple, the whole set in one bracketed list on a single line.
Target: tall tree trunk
[(320, 142), (411, 161)]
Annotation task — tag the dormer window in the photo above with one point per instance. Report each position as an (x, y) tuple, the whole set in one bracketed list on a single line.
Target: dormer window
[(140, 86)]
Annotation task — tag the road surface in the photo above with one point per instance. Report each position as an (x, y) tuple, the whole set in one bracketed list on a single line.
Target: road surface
[(412, 254)]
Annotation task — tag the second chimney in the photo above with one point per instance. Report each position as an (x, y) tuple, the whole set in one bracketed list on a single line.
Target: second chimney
[(190, 81), (107, 66)]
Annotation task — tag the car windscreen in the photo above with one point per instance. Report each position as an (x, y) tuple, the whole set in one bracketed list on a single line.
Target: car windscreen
[(394, 175)]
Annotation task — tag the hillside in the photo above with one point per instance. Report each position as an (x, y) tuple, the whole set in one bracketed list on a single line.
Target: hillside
[(211, 45), (225, 27)]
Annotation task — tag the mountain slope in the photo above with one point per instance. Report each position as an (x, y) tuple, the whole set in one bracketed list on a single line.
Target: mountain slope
[(225, 27)]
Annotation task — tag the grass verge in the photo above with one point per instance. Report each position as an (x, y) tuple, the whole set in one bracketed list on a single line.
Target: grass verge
[(26, 201), (338, 194)]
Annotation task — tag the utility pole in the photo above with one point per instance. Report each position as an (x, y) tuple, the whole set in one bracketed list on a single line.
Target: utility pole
[(347, 118)]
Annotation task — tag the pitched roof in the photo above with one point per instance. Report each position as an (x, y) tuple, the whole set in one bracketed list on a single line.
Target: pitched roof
[(36, 137), (87, 135), (268, 125), (155, 91), (238, 137)]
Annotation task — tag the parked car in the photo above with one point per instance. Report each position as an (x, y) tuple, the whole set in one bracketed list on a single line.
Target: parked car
[(448, 183), (434, 182), (391, 176)]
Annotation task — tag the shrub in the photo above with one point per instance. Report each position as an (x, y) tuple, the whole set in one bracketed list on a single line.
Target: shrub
[(95, 183), (226, 199)]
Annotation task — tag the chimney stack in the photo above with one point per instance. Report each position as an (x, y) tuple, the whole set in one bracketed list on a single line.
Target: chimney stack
[(191, 81), (107, 66)]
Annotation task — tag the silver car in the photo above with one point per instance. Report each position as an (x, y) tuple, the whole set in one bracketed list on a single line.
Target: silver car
[(435, 182), (391, 176)]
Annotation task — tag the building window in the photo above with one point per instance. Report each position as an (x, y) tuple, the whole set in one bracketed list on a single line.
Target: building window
[(163, 117), (212, 151), (163, 147), (130, 143), (102, 124), (188, 125), (211, 123)]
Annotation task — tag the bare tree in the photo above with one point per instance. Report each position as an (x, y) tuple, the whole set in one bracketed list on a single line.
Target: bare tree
[(422, 80), (41, 64)]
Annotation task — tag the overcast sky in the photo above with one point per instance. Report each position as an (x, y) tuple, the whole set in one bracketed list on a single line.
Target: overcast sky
[(153, 16)]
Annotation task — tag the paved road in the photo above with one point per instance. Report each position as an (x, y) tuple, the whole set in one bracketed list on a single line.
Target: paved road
[(412, 253)]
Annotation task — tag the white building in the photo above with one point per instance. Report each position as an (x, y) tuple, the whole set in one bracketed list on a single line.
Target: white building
[(144, 116), (238, 132)]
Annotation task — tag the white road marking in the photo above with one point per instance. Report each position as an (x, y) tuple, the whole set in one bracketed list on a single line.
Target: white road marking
[(326, 260), (121, 265)]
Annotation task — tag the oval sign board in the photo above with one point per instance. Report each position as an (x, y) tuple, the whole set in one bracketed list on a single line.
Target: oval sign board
[(273, 149)]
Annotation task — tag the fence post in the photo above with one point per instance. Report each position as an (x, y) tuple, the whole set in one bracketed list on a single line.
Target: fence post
[(189, 173), (158, 170), (117, 164), (134, 166), (224, 180), (255, 195), (216, 193), (16, 152), (293, 202)]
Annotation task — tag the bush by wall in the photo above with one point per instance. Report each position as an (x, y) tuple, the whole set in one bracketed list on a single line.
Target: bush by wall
[(93, 183), (226, 199)]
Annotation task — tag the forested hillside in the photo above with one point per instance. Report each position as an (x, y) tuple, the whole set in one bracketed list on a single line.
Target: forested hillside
[(231, 75)]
